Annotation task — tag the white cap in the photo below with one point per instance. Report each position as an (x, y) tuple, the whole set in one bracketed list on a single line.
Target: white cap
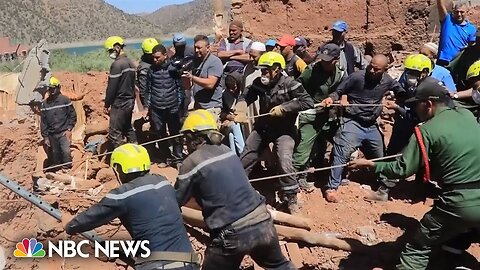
[(258, 46), (432, 47)]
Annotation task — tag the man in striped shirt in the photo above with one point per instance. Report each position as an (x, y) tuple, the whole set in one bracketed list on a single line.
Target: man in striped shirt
[(120, 94)]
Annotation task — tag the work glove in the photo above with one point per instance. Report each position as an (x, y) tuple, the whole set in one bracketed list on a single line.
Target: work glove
[(277, 111)]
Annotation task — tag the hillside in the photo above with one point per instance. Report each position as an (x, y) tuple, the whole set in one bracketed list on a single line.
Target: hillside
[(68, 21), (61, 21), (195, 15)]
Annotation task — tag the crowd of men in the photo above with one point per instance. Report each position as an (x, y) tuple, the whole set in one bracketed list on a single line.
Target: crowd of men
[(299, 101)]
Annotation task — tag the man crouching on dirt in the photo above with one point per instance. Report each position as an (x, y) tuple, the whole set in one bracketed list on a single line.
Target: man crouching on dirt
[(145, 204), (58, 118), (234, 213)]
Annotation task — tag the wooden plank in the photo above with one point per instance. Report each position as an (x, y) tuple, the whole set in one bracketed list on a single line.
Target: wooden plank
[(295, 255), (284, 251)]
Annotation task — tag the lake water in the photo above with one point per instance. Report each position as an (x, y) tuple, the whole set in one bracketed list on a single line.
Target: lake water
[(131, 46)]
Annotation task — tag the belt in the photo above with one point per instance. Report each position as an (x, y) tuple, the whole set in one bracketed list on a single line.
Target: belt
[(258, 215), (174, 257), (471, 185)]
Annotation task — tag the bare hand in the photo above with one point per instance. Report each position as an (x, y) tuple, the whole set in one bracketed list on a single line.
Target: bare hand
[(46, 141), (106, 111), (327, 102), (68, 134), (391, 105), (188, 75), (360, 163), (231, 117), (344, 103)]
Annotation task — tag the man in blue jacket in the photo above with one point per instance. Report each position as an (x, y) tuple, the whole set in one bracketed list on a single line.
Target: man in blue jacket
[(145, 204), (163, 102)]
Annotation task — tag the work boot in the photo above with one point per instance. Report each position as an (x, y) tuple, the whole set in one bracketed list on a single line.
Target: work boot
[(292, 204), (381, 195), (331, 196), (305, 186)]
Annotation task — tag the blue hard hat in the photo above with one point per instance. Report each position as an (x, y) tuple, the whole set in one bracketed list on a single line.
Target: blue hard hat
[(340, 26), (271, 42)]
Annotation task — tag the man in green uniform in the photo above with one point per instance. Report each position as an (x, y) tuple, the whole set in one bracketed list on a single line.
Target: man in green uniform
[(319, 80), (449, 136)]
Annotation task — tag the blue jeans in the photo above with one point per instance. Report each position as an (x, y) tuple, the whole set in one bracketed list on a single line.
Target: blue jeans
[(349, 137), (235, 138)]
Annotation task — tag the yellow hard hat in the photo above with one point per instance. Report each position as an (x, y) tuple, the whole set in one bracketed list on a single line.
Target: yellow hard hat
[(268, 59), (111, 41), (131, 157), (199, 120), (418, 62), (148, 44), (53, 82), (474, 70)]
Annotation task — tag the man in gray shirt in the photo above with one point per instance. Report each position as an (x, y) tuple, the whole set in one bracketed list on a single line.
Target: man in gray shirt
[(206, 77)]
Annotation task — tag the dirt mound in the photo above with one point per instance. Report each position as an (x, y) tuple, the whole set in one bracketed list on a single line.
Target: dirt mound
[(382, 25)]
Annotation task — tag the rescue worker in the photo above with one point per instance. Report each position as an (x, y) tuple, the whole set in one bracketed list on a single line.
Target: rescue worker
[(58, 118), (120, 93), (417, 68), (471, 98), (446, 146), (319, 80), (359, 123), (282, 97), (235, 214), (145, 204), (145, 62)]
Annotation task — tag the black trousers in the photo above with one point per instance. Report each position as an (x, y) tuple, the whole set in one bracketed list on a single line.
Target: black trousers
[(284, 144), (121, 126), (260, 241), (60, 150), (160, 119)]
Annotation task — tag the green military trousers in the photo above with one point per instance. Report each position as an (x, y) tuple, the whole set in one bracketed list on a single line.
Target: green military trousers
[(312, 133), (436, 228)]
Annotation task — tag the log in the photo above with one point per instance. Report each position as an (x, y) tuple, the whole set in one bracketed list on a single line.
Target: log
[(290, 220), (318, 239), (295, 255), (194, 218)]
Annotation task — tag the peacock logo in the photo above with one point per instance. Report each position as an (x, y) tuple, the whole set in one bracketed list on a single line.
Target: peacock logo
[(29, 248)]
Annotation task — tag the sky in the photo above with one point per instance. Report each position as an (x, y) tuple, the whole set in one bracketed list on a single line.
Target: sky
[(138, 6)]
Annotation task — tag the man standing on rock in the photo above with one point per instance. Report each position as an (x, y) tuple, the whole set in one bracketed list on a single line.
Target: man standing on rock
[(235, 214), (446, 147), (456, 32), (350, 56), (120, 94), (319, 81), (145, 204), (359, 123), (58, 118), (234, 49)]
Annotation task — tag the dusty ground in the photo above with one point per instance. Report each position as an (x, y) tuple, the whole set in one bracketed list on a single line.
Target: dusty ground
[(372, 223)]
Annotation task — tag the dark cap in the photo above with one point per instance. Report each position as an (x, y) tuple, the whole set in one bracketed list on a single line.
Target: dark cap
[(431, 89), (328, 52)]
